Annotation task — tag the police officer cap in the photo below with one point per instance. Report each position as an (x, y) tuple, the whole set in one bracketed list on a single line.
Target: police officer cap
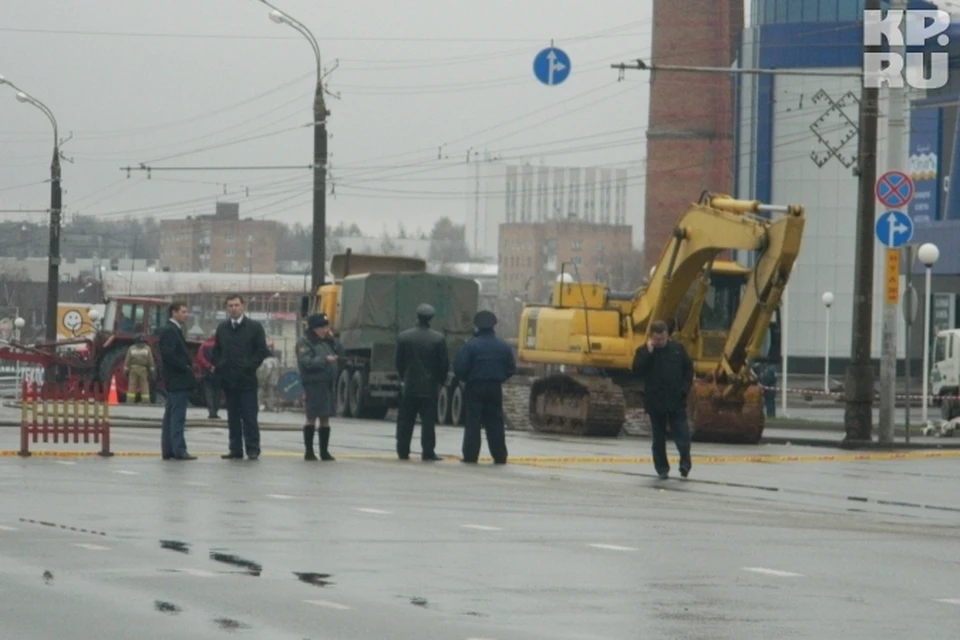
[(317, 321), (425, 311), (485, 320)]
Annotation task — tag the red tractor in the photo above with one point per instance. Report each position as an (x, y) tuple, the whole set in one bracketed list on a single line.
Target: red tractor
[(101, 358)]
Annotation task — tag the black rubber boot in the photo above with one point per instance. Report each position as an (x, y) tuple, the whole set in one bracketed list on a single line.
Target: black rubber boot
[(308, 453), (324, 442)]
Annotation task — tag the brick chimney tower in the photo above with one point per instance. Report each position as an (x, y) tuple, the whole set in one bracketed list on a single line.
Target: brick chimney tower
[(690, 134)]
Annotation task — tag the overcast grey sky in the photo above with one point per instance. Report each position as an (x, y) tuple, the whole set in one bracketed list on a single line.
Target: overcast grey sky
[(164, 82)]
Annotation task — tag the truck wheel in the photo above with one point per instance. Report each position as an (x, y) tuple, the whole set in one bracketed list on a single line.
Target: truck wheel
[(949, 408), (343, 394), (443, 405), (457, 415), (358, 393)]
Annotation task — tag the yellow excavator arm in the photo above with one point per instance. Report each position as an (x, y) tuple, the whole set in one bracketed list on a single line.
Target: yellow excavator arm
[(720, 223)]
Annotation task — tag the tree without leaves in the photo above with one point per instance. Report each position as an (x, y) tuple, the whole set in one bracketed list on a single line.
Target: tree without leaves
[(448, 242)]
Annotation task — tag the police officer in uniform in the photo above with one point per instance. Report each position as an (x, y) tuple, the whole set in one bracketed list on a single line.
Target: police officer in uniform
[(422, 363), (484, 363)]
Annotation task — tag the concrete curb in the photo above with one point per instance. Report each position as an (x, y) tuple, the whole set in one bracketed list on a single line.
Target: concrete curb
[(859, 446)]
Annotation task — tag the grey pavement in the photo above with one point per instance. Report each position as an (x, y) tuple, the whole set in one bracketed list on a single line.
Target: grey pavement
[(825, 546)]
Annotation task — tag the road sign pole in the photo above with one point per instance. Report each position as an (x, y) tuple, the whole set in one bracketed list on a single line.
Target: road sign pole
[(888, 332)]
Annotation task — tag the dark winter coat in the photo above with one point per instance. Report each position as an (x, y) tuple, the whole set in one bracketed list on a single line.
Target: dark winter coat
[(485, 358), (238, 353), (667, 375), (422, 361), (175, 358), (312, 355)]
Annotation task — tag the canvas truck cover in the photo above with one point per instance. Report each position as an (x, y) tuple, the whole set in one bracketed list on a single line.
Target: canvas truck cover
[(376, 307)]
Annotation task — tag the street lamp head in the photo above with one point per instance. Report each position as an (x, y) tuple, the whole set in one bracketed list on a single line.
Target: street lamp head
[(928, 254), (3, 80), (827, 298), (19, 323), (278, 16), (22, 97)]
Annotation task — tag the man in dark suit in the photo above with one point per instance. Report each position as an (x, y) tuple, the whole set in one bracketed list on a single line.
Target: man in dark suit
[(422, 363), (178, 380), (239, 348)]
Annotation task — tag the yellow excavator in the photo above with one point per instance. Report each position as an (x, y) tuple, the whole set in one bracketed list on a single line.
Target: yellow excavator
[(723, 313)]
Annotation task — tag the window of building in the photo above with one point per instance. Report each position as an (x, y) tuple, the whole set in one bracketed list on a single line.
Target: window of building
[(228, 266), (576, 245), (229, 238), (228, 252)]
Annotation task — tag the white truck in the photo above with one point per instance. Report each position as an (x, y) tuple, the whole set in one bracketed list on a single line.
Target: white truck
[(945, 373)]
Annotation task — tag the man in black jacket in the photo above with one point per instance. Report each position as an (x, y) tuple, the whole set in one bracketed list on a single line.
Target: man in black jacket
[(178, 380), (422, 363), (667, 372), (239, 348)]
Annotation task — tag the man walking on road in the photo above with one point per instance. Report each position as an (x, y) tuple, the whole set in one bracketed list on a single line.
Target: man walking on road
[(179, 381), (667, 373), (240, 347), (422, 363), (484, 363)]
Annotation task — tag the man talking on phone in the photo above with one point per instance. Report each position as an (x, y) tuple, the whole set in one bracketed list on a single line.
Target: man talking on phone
[(667, 374)]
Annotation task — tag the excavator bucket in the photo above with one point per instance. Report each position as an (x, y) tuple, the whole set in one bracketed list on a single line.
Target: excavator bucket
[(716, 415), (577, 405)]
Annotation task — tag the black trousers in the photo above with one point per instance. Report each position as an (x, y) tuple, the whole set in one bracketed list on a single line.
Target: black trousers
[(410, 406), (483, 403), (211, 391), (243, 406), (679, 429)]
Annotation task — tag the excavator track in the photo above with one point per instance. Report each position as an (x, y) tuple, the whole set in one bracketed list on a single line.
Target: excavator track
[(714, 419), (577, 405)]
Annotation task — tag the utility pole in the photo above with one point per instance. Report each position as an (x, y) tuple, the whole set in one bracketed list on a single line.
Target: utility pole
[(858, 387), (895, 157)]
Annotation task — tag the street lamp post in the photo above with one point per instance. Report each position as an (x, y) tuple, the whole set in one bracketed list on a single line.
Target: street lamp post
[(827, 302), (53, 260), (928, 255), (320, 114)]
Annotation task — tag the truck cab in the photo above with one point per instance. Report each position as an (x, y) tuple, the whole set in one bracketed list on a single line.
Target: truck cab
[(945, 372)]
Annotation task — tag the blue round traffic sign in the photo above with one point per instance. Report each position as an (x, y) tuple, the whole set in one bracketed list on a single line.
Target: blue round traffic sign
[(894, 189), (289, 386), (551, 66), (894, 229)]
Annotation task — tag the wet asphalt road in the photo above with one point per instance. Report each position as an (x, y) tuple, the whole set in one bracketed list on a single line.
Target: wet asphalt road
[(589, 550)]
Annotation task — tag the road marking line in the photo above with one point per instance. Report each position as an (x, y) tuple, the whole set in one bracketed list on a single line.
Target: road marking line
[(194, 483), (612, 547), (4, 527), (279, 496), (91, 547), (200, 573), (328, 604), (950, 600), (67, 462), (533, 460), (480, 527), (773, 572), (368, 510), (127, 473)]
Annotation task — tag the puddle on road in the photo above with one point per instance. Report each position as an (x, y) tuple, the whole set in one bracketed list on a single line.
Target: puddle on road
[(175, 545), (252, 568), (316, 579), (166, 607), (229, 624)]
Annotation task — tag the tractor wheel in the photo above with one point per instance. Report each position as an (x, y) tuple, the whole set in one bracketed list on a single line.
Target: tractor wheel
[(111, 369)]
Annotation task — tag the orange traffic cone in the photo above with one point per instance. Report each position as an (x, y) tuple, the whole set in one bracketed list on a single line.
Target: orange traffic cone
[(112, 398)]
